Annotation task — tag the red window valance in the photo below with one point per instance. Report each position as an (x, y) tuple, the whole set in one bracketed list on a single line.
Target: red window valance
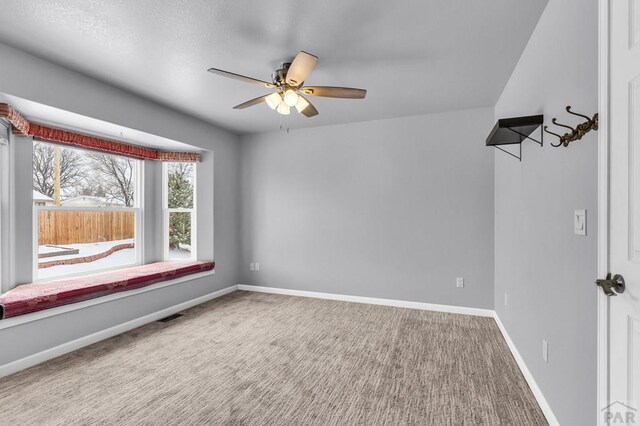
[(22, 126)]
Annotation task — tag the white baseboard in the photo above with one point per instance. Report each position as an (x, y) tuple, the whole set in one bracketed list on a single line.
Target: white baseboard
[(372, 300), (40, 357), (535, 389)]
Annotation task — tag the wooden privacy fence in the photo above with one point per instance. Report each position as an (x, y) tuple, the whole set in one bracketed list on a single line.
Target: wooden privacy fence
[(57, 227)]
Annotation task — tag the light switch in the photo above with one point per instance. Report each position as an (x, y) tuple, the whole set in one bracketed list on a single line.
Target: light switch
[(252, 266), (580, 222)]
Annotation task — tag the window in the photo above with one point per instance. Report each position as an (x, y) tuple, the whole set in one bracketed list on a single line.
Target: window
[(179, 203), (86, 211)]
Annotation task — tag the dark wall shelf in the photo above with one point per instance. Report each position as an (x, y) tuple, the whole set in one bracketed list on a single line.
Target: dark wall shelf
[(513, 131)]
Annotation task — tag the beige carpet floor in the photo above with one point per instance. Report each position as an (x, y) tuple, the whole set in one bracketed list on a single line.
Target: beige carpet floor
[(262, 359)]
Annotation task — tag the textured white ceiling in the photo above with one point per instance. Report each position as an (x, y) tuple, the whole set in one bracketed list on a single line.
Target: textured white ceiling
[(413, 57)]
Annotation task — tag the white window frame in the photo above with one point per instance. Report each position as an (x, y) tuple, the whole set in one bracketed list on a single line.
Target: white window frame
[(5, 169), (166, 211), (138, 237)]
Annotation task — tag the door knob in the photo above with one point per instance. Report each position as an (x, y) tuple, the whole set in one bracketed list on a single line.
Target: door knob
[(612, 286)]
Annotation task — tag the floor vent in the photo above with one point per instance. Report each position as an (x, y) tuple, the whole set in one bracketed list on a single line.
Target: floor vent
[(170, 318)]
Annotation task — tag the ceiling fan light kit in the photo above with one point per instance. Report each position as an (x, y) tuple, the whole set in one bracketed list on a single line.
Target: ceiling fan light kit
[(273, 100), (290, 97), (283, 109), (289, 83)]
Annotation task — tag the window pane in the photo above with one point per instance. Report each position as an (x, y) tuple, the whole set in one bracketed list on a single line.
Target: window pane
[(180, 185), (73, 242), (179, 235), (70, 177)]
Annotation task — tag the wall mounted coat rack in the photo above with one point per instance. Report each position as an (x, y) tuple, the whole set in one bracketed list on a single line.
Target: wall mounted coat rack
[(574, 134)]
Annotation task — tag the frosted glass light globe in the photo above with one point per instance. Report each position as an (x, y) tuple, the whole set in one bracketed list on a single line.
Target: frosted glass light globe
[(273, 100), (283, 108), (290, 97)]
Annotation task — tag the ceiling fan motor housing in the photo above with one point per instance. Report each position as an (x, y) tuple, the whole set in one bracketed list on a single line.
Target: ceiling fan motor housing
[(280, 75)]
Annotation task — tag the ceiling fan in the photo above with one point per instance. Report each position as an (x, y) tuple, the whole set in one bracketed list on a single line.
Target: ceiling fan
[(290, 90)]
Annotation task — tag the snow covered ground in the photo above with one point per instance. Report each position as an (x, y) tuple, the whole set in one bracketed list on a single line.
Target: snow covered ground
[(120, 258), (87, 249), (51, 249), (183, 253)]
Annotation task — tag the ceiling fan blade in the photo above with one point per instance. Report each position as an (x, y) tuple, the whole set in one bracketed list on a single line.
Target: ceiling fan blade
[(252, 102), (310, 110), (241, 77), (334, 92), (300, 68)]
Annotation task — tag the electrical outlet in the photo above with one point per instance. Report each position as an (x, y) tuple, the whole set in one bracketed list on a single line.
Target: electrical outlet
[(545, 350), (460, 282), (252, 266), (580, 222), (506, 299), (257, 266)]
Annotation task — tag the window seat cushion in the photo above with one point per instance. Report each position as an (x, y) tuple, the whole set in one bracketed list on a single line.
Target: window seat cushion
[(28, 298)]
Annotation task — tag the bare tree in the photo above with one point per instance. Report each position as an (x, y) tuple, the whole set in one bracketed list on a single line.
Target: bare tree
[(112, 176), (71, 168)]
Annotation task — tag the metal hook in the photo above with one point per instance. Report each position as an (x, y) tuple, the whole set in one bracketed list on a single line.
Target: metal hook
[(555, 121), (550, 132), (576, 133), (554, 134), (577, 114)]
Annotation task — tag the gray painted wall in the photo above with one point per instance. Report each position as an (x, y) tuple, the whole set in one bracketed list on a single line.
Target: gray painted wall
[(152, 204), (547, 271), (22, 214), (31, 78), (393, 208)]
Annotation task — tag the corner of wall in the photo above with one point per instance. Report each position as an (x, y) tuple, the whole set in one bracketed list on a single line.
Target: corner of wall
[(534, 244)]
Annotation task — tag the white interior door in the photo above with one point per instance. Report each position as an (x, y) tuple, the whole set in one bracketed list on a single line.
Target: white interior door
[(624, 212)]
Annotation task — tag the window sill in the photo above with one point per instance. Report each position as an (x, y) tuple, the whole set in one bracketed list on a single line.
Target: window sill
[(36, 316)]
